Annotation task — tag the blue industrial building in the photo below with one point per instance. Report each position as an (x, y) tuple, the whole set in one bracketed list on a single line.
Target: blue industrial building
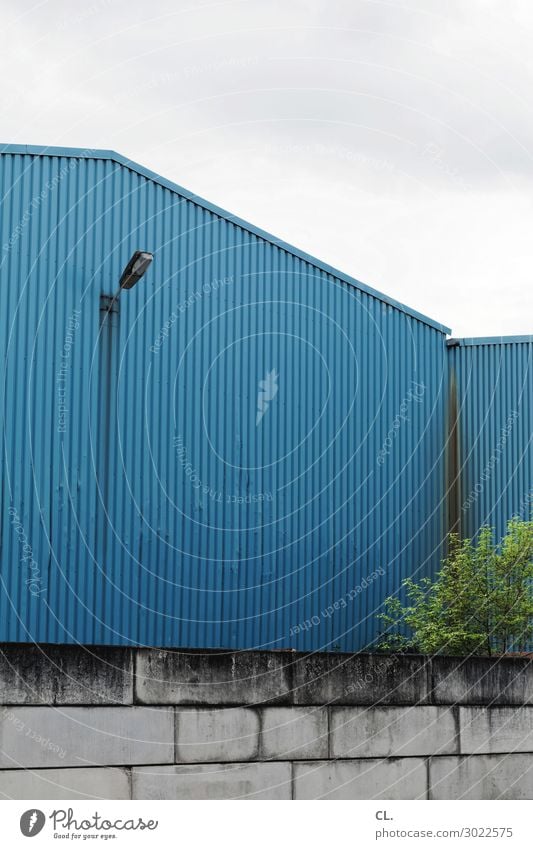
[(492, 379), (247, 448)]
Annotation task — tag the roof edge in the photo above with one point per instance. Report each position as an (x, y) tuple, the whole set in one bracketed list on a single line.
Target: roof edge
[(93, 153), (489, 340)]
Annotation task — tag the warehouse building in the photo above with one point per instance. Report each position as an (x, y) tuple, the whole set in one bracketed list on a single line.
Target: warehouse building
[(235, 445)]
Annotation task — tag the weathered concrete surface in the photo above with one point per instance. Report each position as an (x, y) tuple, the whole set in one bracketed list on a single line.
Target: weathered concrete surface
[(402, 778), (294, 733), (262, 724), (222, 734), (213, 781), (481, 777), (496, 730), (357, 732), (61, 675), (212, 678), (482, 681), (95, 783), (360, 679), (85, 736), (51, 674)]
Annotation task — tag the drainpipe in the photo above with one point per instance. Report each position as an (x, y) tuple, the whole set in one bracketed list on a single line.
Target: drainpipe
[(453, 456)]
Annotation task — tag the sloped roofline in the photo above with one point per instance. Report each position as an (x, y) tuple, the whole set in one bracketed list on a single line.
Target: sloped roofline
[(88, 153)]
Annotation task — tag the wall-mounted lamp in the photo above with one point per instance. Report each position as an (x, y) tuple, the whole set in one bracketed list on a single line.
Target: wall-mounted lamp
[(136, 267)]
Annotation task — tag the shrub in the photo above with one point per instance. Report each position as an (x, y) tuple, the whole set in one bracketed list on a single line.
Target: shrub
[(481, 601)]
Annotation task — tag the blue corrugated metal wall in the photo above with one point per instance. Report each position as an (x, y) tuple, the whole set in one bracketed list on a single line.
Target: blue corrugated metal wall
[(494, 385), (143, 499)]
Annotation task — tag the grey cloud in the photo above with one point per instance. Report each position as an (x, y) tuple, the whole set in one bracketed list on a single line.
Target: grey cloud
[(394, 141)]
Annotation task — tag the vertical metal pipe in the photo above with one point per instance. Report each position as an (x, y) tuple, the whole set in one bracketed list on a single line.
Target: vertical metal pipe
[(453, 459), (108, 376)]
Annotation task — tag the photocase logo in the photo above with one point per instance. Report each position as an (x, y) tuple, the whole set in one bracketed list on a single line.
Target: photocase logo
[(32, 822), (268, 389)]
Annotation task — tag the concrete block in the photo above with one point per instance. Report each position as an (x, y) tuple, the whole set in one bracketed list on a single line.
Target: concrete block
[(481, 777), (399, 778), (211, 678), (496, 730), (61, 675), (222, 734), (384, 732), (360, 679), (33, 737), (65, 784), (213, 781), (294, 733), (482, 681)]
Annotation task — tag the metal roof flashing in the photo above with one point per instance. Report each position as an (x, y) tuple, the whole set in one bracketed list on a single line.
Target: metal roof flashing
[(472, 341), (90, 153)]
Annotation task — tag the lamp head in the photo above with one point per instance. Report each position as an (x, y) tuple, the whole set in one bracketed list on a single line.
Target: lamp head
[(136, 267)]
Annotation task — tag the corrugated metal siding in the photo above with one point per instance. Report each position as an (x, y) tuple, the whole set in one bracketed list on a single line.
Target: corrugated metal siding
[(163, 514), (494, 380)]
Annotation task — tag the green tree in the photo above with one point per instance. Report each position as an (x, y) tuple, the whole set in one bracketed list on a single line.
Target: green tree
[(481, 601)]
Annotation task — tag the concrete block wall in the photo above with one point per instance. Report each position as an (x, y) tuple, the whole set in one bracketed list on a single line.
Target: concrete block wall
[(111, 723)]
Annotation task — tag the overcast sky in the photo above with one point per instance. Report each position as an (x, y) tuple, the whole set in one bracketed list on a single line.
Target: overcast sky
[(393, 140)]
